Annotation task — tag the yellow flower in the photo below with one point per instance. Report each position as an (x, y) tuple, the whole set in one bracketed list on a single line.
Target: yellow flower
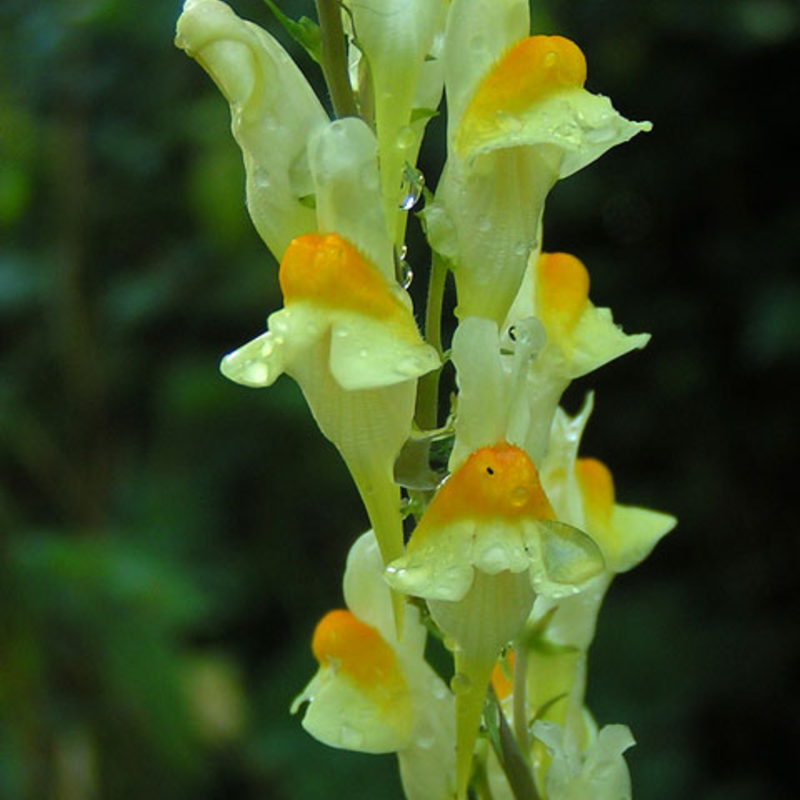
[(392, 43), (519, 120), (486, 545), (274, 112), (374, 692), (346, 334)]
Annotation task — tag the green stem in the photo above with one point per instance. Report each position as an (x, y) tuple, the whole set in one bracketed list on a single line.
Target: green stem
[(520, 696), (334, 58), (514, 764), (428, 391)]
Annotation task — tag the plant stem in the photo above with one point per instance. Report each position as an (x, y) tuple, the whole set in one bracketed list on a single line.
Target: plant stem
[(520, 696), (428, 392), (334, 58), (514, 764)]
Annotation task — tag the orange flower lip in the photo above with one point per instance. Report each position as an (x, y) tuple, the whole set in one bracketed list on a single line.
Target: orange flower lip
[(530, 69), (327, 269), (494, 482), (344, 642), (562, 292)]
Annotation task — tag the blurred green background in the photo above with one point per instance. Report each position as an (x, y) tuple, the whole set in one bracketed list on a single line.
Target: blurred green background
[(168, 539)]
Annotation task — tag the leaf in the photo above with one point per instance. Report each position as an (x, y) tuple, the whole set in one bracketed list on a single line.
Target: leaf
[(423, 113), (304, 31)]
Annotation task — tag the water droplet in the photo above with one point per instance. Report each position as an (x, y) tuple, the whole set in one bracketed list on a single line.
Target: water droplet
[(406, 137), (338, 128), (450, 643), (363, 352), (550, 59), (484, 224), (460, 683), (411, 187), (267, 348), (342, 332), (279, 325), (521, 248), (406, 274)]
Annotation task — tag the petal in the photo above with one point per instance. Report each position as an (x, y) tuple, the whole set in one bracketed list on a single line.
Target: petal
[(482, 387), (534, 97), (395, 37), (486, 217), (273, 108), (478, 33), (637, 531), (558, 470), (259, 363), (562, 557), (343, 159), (369, 354), (367, 595), (597, 340), (256, 364)]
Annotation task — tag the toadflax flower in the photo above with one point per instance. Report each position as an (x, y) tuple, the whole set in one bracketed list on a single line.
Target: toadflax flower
[(274, 112), (374, 692), (519, 119), (346, 332), (400, 82), (484, 548)]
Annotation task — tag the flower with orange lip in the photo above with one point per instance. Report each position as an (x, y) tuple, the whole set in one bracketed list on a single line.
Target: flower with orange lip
[(486, 546), (347, 335), (519, 119), (374, 692)]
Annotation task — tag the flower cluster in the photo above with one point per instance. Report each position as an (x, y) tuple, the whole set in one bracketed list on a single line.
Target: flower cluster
[(514, 548)]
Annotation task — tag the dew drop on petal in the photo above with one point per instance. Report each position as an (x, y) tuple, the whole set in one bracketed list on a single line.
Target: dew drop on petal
[(254, 372), (550, 59), (460, 683), (411, 187), (405, 137)]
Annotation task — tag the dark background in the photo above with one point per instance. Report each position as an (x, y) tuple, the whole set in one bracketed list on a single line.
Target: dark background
[(168, 539)]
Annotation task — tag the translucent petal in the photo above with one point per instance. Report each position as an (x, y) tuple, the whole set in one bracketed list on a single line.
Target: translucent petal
[(273, 109), (567, 557), (256, 364)]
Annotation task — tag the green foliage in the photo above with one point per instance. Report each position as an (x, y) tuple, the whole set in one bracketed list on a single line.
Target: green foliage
[(152, 514)]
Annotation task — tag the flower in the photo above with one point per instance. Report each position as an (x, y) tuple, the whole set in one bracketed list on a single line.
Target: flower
[(598, 770), (348, 337), (519, 120), (374, 692), (391, 43), (274, 113), (485, 547)]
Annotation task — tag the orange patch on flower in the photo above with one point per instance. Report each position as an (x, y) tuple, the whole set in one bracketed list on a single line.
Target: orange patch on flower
[(562, 293), (498, 482), (597, 488), (344, 643), (327, 269), (530, 69)]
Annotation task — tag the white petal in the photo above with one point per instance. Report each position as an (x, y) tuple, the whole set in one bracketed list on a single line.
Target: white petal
[(273, 108), (256, 364), (343, 159)]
